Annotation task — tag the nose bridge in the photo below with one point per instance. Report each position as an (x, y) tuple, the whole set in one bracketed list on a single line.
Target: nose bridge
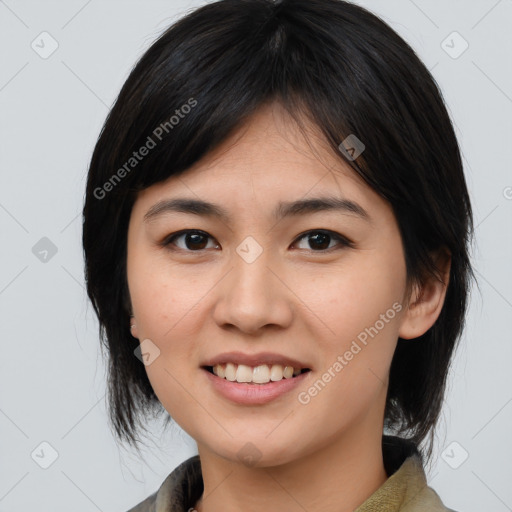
[(252, 296), (251, 268)]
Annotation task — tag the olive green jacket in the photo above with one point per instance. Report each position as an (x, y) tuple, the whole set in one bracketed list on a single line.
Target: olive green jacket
[(405, 490)]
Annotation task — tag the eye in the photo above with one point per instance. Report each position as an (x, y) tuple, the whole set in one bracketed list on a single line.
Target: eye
[(194, 240), (319, 240)]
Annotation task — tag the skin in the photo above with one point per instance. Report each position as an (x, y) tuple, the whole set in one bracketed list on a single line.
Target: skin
[(295, 299)]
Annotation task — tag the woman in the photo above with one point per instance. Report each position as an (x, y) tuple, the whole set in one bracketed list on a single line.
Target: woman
[(276, 235)]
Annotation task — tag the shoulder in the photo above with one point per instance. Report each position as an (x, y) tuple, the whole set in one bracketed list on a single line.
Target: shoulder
[(179, 491), (417, 495), (148, 505), (406, 489)]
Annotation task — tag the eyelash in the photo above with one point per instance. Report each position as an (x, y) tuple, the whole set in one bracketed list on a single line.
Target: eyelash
[(343, 241)]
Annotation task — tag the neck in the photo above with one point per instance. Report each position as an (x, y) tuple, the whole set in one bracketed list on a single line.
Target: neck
[(338, 477)]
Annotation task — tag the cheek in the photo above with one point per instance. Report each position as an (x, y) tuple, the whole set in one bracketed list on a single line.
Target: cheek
[(168, 380), (166, 303), (352, 298), (355, 360), (164, 297), (359, 310)]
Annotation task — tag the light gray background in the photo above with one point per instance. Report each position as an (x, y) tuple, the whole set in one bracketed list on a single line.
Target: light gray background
[(52, 375)]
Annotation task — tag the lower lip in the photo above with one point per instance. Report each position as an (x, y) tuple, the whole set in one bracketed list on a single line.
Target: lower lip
[(254, 394)]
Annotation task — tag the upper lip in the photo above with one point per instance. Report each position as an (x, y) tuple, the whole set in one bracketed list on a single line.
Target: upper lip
[(254, 359)]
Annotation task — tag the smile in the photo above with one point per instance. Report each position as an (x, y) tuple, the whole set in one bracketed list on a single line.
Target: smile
[(262, 374), (253, 393)]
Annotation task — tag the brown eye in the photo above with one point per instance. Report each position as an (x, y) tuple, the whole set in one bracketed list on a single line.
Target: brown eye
[(193, 240), (196, 241), (319, 241)]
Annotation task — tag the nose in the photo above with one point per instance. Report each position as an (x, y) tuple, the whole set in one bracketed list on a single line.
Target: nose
[(252, 296)]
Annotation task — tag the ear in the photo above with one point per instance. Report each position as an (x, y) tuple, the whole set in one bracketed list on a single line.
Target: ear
[(427, 300)]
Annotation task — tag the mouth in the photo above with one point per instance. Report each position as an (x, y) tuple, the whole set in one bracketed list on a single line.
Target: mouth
[(262, 374)]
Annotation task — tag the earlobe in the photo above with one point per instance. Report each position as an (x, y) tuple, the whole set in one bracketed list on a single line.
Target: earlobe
[(427, 300), (133, 327)]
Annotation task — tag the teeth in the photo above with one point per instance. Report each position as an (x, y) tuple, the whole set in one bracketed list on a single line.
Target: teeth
[(243, 373), (288, 372), (230, 372), (258, 375), (276, 372)]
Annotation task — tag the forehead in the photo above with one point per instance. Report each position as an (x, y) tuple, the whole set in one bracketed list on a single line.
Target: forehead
[(268, 160), (271, 141)]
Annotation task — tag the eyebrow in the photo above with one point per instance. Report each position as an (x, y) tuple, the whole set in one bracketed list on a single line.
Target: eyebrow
[(283, 209)]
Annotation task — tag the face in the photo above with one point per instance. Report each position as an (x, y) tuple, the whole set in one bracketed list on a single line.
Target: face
[(322, 287)]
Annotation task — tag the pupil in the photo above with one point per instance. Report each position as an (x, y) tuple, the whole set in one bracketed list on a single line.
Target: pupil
[(195, 239), (323, 237)]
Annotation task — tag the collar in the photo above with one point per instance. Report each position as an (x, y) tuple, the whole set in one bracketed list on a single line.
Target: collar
[(405, 490)]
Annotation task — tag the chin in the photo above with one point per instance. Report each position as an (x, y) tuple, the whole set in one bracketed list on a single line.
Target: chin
[(255, 451)]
